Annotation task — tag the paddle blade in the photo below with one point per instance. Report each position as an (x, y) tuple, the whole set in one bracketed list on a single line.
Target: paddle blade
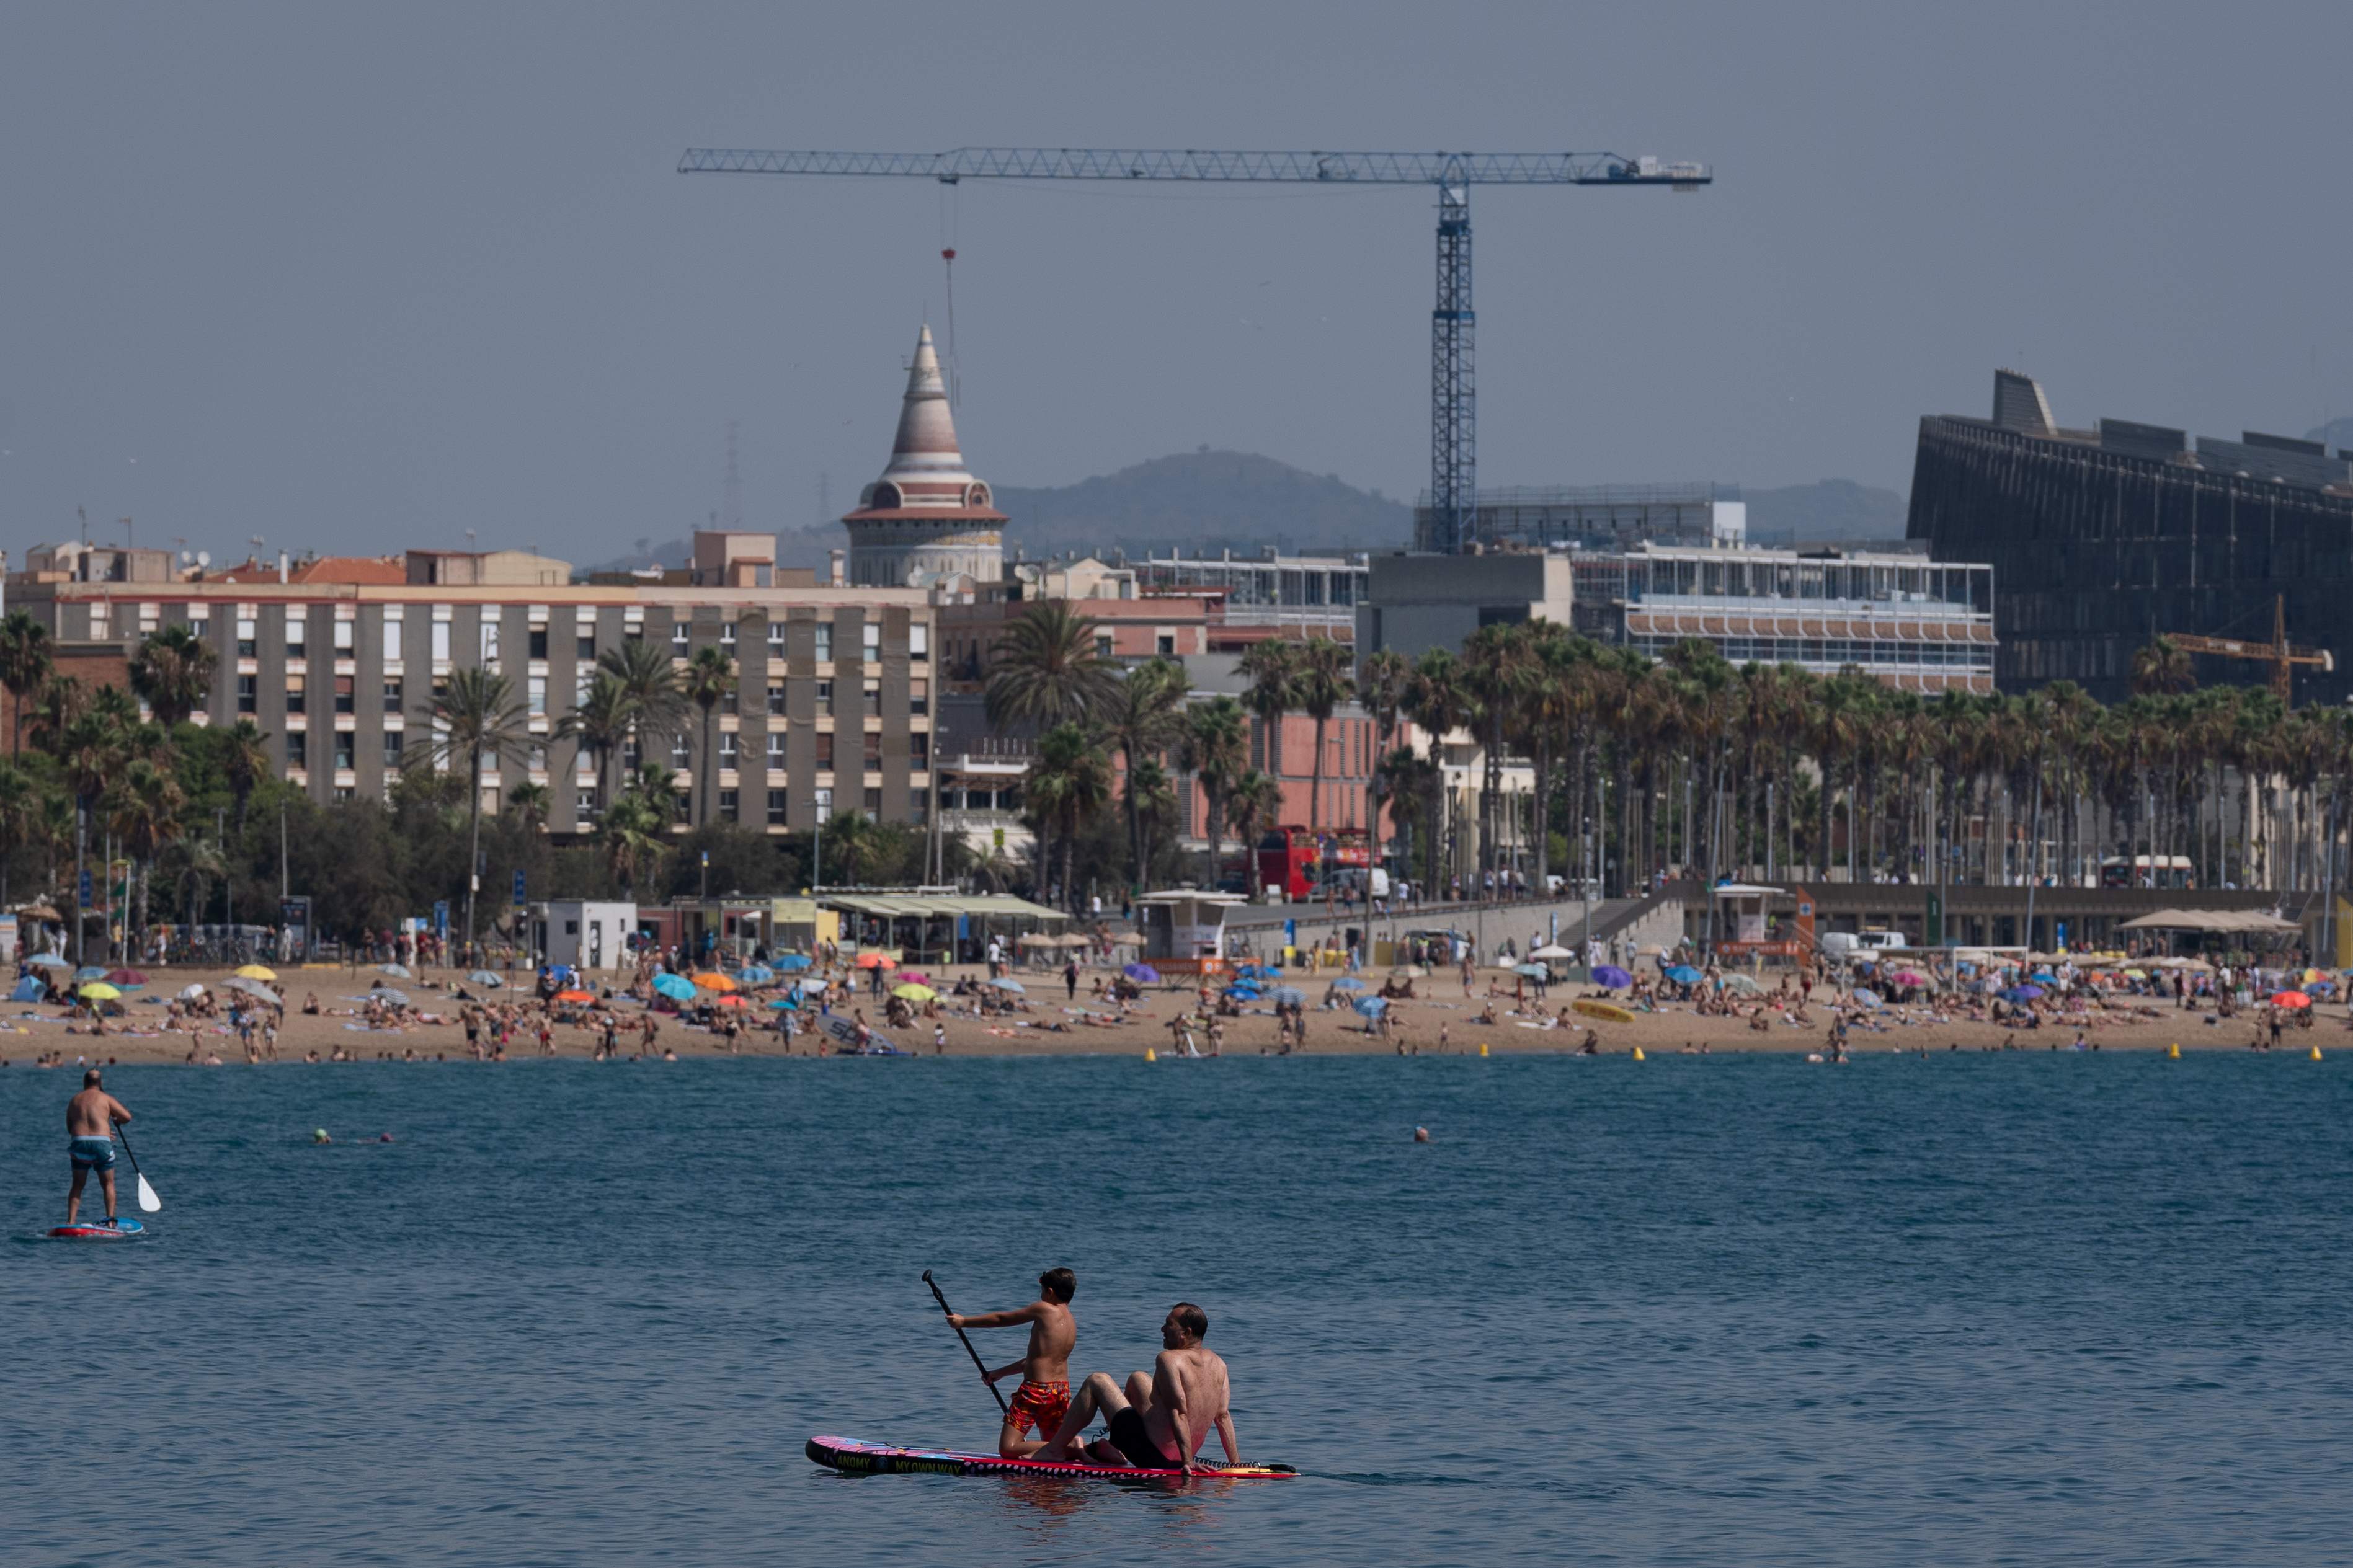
[(148, 1202)]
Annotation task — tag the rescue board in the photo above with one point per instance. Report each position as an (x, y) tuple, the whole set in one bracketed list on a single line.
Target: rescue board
[(856, 1459), (121, 1230), (1608, 1012)]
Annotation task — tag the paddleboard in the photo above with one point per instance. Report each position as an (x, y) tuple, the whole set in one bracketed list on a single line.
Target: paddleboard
[(853, 1457), (123, 1229), (844, 1030), (1608, 1012)]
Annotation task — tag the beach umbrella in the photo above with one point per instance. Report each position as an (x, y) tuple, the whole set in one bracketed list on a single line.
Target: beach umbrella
[(2023, 994), (1287, 996), (677, 987), (756, 974), (575, 996), (398, 970), (397, 998), (99, 991), (2136, 974), (1013, 985), (190, 993), (789, 1003), (480, 977), (89, 972), (913, 993), (876, 960), (1741, 983), (128, 979), (711, 980), (1909, 977), (1372, 1006), (28, 989), (2043, 977), (47, 961), (1347, 983), (792, 962), (255, 972), (1532, 970), (2291, 999), (1141, 974), (1868, 997), (251, 988), (1240, 992), (1258, 971), (915, 977), (1611, 977), (1683, 974), (730, 1002), (1552, 949), (1407, 971)]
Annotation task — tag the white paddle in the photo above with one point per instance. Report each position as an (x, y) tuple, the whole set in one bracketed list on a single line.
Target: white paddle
[(148, 1202)]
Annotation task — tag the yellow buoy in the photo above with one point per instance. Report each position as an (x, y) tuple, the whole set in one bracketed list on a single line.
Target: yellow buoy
[(2173, 1053), (2316, 1053), (1483, 1047), (1150, 1055), (1639, 1055)]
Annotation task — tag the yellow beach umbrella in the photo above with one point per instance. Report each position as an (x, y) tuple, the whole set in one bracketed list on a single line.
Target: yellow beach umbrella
[(914, 993), (99, 991), (255, 972)]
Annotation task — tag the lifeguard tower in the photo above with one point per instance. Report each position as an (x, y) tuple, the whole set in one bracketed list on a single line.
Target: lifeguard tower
[(1185, 932)]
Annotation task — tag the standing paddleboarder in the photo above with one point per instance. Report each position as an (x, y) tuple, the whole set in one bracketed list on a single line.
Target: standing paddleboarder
[(91, 1117), (1044, 1397)]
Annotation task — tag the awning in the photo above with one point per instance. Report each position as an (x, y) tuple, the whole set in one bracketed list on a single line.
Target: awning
[(2245, 922), (897, 905)]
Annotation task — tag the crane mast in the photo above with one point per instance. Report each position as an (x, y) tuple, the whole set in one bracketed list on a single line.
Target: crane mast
[(1453, 381)]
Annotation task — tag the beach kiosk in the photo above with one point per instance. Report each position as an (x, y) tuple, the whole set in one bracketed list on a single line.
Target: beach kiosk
[(1185, 932), (1746, 917)]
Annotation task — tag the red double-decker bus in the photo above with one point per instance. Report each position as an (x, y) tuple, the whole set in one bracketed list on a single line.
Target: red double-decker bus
[(1301, 861)]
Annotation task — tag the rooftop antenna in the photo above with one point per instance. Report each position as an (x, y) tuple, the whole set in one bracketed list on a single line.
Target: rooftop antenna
[(470, 541), (257, 543), (955, 377), (734, 490), (83, 513)]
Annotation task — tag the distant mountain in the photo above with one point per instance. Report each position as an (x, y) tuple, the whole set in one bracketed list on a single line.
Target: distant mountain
[(1827, 509), (2338, 433)]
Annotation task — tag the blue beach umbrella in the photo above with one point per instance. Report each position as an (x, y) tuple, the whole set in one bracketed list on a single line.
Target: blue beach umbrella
[(1372, 1006), (1141, 974), (47, 961), (2023, 994), (1013, 985), (1258, 971), (88, 971), (1287, 996), (485, 977), (792, 962), (1538, 972), (787, 1002), (1242, 993), (677, 987), (28, 989), (756, 974), (398, 970), (1867, 998), (1683, 974), (1347, 983), (1610, 977)]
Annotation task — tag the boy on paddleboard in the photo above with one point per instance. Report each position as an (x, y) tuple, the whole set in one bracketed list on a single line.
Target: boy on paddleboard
[(89, 1143), (1044, 1396), (1159, 1421)]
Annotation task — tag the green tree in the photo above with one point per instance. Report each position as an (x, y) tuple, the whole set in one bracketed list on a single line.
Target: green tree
[(2161, 668), (20, 815), (1380, 687), (1217, 750), (143, 808), (1045, 670), (1271, 668), (1068, 783), (245, 758), (25, 662), (172, 671), (600, 724), (1142, 716), (709, 677), (1320, 682), (475, 716), (649, 689), (1252, 805)]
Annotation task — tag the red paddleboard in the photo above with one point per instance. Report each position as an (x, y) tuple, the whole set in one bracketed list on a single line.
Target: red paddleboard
[(853, 1457), (123, 1230)]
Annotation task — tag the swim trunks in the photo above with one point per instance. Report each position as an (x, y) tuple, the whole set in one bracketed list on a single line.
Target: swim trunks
[(1129, 1436), (1039, 1405), (95, 1152)]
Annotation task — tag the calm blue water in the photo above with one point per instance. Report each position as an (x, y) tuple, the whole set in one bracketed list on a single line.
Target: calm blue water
[(1973, 1309)]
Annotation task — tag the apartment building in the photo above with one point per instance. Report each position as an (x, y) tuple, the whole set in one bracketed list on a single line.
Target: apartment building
[(337, 660)]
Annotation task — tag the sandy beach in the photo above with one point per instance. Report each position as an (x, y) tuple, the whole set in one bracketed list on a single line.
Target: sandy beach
[(1441, 1020)]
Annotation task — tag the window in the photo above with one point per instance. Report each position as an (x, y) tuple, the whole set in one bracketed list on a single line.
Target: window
[(776, 639), (583, 806), (776, 808), (871, 633), (1164, 642), (344, 694), (824, 640), (727, 635), (678, 637), (391, 642), (919, 697), (825, 749), (346, 638), (825, 699), (1102, 645), (633, 754), (919, 641), (392, 693), (295, 695), (342, 795), (775, 748), (246, 632), (98, 614), (536, 702), (870, 698), (873, 803), (919, 805), (535, 760), (298, 749), (343, 741), (298, 633), (441, 642), (726, 748), (873, 749), (490, 644), (729, 701), (584, 651), (392, 742), (776, 699), (538, 643), (919, 751), (727, 799), (248, 693), (824, 798), (679, 756)]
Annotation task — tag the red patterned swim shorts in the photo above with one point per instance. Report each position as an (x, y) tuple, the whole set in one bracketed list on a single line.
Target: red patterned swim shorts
[(1039, 1405)]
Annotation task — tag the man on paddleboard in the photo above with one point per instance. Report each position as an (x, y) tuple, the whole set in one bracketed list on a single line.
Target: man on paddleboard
[(89, 1140), (1044, 1397), (1162, 1418)]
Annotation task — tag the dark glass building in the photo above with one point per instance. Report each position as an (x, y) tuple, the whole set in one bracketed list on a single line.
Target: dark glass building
[(2101, 539)]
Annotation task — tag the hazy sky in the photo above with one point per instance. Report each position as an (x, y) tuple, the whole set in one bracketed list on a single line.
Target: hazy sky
[(355, 278)]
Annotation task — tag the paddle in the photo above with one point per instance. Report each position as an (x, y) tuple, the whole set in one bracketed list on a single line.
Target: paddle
[(946, 1311), (148, 1201)]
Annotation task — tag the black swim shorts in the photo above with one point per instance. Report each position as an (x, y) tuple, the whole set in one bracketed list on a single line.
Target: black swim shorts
[(1130, 1437)]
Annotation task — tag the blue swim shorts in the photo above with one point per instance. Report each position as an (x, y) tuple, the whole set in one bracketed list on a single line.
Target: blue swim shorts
[(92, 1153)]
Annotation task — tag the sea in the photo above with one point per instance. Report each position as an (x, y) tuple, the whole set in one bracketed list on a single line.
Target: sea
[(2018, 1308)]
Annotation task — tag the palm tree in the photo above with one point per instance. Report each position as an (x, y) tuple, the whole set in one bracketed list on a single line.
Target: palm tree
[(1320, 682), (60, 701), (633, 827), (709, 677), (1270, 667), (174, 671), (20, 808), (651, 690), (245, 758), (25, 663), (1380, 687), (532, 803), (1143, 716), (853, 838), (1438, 698), (1045, 670), (1412, 783), (2161, 668), (601, 725), (475, 715), (1217, 751), (1068, 782), (143, 808), (1253, 804), (1151, 796)]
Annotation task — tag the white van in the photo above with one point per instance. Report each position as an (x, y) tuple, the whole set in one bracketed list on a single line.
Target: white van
[(1851, 944)]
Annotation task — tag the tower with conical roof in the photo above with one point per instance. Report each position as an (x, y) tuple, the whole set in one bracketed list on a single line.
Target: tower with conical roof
[(926, 518)]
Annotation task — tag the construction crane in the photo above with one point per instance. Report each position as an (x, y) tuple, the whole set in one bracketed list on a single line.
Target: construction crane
[(2278, 653), (1453, 405)]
